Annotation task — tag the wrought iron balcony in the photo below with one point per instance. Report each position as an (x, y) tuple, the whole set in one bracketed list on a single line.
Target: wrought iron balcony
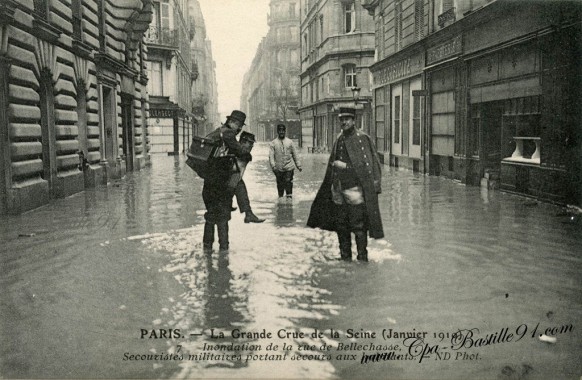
[(162, 36)]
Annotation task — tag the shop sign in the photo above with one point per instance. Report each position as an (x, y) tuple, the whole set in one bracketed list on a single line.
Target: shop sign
[(161, 113), (443, 51), (398, 70)]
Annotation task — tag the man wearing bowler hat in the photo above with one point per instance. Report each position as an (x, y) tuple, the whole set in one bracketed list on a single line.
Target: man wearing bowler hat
[(347, 201), (216, 193)]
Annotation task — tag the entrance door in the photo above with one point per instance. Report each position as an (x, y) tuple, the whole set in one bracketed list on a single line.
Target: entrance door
[(491, 117), (127, 129), (397, 120), (48, 138), (109, 125), (415, 119)]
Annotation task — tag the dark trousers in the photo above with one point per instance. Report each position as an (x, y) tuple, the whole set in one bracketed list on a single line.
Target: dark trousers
[(217, 200), (352, 218), (242, 197), (284, 182)]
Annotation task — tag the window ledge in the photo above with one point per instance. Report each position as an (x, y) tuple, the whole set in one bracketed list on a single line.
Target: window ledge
[(83, 48), (44, 30), (522, 160)]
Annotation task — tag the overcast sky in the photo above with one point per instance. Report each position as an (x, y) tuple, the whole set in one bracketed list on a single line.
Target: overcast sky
[(235, 28)]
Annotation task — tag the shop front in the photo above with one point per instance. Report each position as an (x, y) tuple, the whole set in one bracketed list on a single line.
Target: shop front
[(399, 110)]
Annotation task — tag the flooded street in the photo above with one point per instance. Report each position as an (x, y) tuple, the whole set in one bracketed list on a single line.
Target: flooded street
[(88, 283)]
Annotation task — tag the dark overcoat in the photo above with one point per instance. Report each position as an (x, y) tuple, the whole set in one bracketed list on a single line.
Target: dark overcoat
[(366, 163)]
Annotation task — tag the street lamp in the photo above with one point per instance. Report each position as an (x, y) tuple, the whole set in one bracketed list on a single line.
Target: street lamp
[(357, 101)]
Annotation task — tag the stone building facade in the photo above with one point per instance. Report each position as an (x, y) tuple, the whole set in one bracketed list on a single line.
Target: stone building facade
[(454, 96), (270, 93), (73, 105), (204, 88), (337, 48), (171, 73)]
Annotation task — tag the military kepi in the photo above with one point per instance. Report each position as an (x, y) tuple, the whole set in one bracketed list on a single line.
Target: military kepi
[(238, 115), (347, 111)]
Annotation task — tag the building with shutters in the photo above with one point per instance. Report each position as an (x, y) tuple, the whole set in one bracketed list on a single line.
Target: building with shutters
[(485, 92), (171, 73), (73, 105), (270, 90), (204, 88), (337, 49)]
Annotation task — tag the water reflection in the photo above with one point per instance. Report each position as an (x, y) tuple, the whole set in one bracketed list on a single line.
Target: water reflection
[(284, 213), (224, 310), (451, 255)]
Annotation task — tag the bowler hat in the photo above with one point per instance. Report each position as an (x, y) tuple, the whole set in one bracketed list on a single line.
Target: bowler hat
[(238, 115), (347, 111)]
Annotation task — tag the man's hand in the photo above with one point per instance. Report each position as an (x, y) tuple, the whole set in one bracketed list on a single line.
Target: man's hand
[(339, 164)]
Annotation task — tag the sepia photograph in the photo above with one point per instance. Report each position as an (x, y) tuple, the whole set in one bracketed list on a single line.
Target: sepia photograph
[(291, 189)]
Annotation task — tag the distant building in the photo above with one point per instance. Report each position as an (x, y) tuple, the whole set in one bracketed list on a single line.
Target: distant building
[(270, 93), (204, 88), (170, 73), (73, 105), (337, 49), (486, 92)]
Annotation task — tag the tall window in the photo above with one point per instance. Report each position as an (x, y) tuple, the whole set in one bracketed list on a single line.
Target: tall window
[(397, 25), (521, 118), (321, 28), (416, 120), (350, 76), (155, 78), (349, 18), (77, 19), (102, 24), (82, 116), (292, 10), (397, 119), (474, 127), (42, 8), (294, 57)]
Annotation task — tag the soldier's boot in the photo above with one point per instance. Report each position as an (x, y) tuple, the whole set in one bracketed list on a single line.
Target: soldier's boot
[(345, 243), (222, 235), (208, 238), (362, 245)]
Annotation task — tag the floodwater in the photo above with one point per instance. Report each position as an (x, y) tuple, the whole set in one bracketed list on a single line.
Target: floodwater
[(93, 284)]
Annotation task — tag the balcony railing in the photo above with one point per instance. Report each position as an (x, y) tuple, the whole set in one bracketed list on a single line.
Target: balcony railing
[(162, 36)]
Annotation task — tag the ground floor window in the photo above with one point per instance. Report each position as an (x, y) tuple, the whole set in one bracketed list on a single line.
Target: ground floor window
[(521, 118)]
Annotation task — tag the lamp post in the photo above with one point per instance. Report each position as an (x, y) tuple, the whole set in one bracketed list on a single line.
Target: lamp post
[(363, 102)]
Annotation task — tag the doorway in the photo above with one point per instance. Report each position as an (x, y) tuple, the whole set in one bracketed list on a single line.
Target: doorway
[(109, 125), (491, 121), (127, 129)]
